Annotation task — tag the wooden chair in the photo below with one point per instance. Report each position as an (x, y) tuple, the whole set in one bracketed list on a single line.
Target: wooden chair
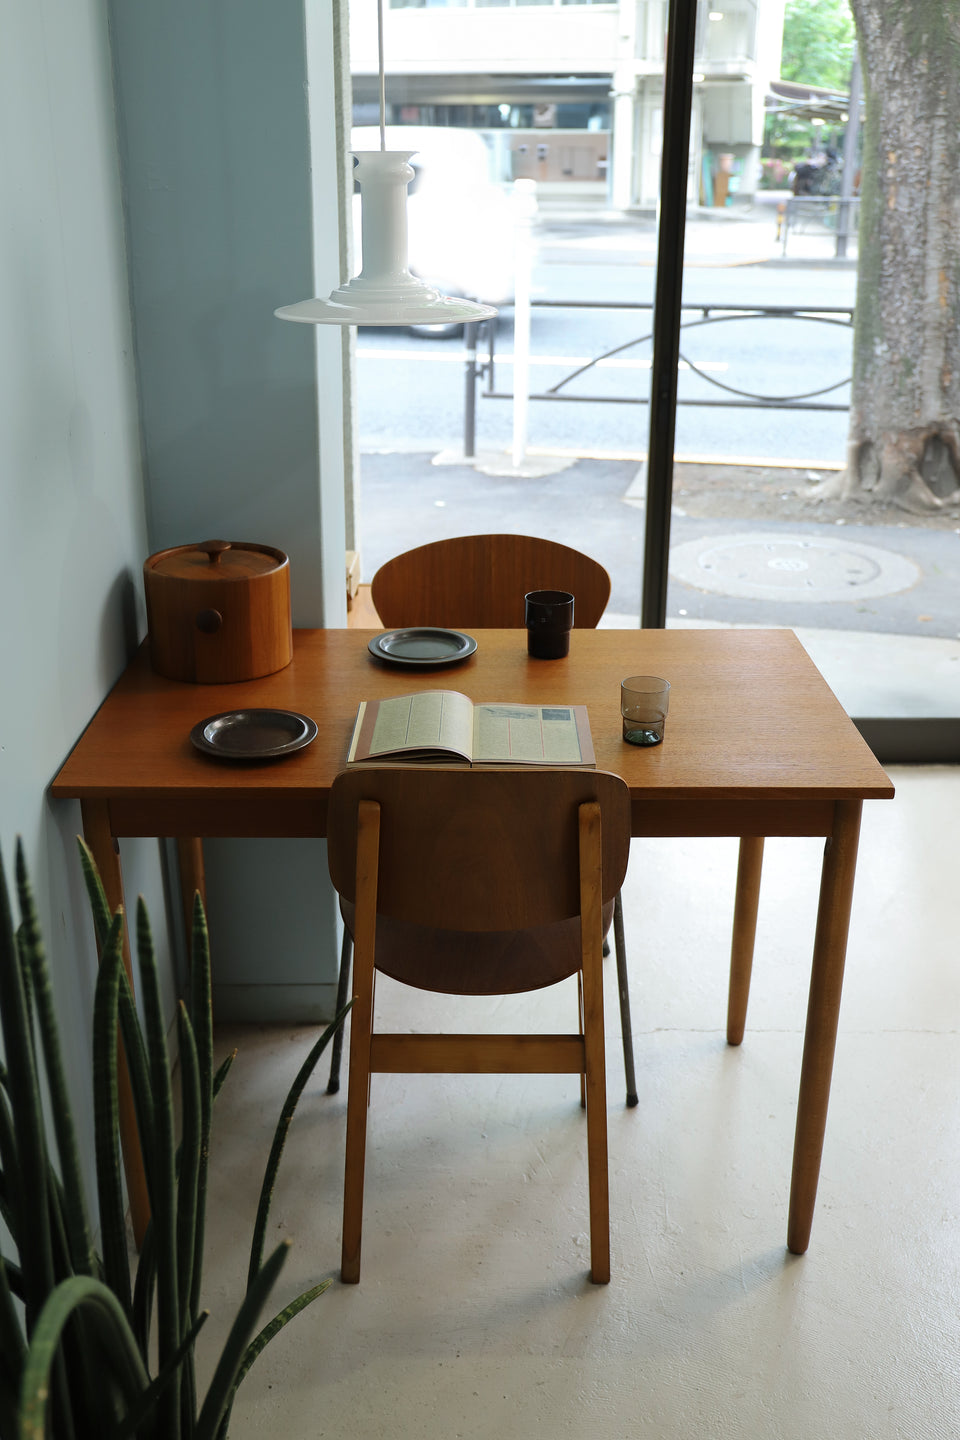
[(480, 581), (418, 855)]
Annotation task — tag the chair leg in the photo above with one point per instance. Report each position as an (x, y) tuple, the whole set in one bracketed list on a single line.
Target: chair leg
[(599, 1183), (361, 1029), (361, 1018), (623, 983), (346, 956), (594, 1062), (583, 1078)]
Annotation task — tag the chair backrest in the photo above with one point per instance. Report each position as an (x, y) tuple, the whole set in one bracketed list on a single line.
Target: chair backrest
[(480, 581), (478, 850)]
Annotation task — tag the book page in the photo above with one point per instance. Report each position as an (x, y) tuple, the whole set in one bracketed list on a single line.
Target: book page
[(430, 720), (526, 734)]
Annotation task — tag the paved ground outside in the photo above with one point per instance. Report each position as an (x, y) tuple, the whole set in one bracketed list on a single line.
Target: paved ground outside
[(740, 234), (748, 545), (889, 647)]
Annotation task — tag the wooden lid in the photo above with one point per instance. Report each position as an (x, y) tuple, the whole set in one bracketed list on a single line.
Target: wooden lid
[(216, 560)]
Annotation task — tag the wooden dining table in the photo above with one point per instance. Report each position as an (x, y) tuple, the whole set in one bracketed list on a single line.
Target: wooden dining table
[(756, 744)]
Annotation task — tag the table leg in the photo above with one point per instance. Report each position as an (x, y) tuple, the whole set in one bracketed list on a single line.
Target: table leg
[(192, 880), (744, 934), (106, 853), (823, 1014)]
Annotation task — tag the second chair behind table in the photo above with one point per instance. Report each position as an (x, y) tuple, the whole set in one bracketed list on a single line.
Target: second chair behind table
[(479, 581)]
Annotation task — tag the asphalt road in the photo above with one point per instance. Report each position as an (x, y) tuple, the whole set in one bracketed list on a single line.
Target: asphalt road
[(875, 573), (411, 390)]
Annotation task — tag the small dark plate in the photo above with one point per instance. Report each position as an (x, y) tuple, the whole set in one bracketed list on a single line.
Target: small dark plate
[(422, 646), (253, 734)]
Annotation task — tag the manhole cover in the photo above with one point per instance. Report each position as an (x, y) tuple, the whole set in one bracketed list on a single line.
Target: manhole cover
[(791, 567)]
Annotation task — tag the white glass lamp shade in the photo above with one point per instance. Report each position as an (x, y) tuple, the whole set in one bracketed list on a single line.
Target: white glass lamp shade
[(385, 292)]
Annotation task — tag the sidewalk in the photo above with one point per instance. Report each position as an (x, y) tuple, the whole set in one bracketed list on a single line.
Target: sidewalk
[(872, 602), (738, 234)]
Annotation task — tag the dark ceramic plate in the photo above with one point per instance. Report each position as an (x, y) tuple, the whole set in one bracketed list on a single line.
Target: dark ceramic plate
[(422, 647), (253, 734)]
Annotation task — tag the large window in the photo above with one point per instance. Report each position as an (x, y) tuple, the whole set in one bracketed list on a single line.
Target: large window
[(757, 536)]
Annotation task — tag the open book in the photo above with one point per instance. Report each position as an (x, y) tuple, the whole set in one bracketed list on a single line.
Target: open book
[(445, 725)]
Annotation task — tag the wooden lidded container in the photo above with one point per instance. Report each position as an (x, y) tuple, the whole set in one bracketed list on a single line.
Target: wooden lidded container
[(219, 611)]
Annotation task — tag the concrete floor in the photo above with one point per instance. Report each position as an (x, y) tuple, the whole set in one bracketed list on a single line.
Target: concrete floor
[(475, 1317)]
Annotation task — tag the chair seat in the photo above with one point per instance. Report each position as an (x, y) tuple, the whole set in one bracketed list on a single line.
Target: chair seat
[(487, 962)]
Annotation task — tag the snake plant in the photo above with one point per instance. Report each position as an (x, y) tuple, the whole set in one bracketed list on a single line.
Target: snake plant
[(86, 1349)]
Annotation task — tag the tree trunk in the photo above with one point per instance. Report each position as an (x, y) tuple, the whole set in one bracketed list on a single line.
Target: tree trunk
[(904, 439)]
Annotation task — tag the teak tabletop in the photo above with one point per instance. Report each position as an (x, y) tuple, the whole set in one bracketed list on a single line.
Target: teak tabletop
[(752, 726), (756, 744)]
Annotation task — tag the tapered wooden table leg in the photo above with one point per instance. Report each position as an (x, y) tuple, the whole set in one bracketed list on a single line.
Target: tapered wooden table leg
[(106, 853), (744, 934), (823, 1014)]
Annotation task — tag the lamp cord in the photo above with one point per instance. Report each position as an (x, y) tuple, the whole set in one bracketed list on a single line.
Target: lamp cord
[(383, 86)]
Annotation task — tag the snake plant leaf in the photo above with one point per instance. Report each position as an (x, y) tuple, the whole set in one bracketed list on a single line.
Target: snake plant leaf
[(280, 1140), (231, 1357), (201, 1017), (144, 1289), (28, 1124), (133, 1045), (11, 1182), (138, 1068), (59, 1244), (104, 1315), (22, 938), (222, 1073), (190, 1145), (76, 1387), (95, 892), (147, 1402), (162, 1192), (75, 1207), (12, 1346), (201, 1006), (113, 1232), (282, 1318), (80, 1368)]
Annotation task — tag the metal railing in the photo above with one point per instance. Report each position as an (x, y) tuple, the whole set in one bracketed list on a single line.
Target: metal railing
[(484, 368)]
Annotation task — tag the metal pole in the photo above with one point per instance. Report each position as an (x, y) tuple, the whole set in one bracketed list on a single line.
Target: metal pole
[(524, 208), (849, 156), (677, 99), (470, 391)]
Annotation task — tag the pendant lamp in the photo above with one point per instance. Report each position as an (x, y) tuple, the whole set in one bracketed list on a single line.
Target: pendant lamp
[(385, 292)]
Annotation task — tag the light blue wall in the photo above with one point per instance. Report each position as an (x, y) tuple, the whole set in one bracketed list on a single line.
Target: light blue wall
[(232, 166), (236, 406), (72, 524)]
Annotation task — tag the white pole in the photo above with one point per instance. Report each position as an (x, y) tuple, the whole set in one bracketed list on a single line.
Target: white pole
[(525, 207)]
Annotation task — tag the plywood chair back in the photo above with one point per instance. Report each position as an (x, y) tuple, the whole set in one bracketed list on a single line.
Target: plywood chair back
[(480, 859), (479, 581)]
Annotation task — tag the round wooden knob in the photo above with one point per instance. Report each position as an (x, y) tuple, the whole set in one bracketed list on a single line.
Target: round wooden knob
[(213, 549), (209, 621)]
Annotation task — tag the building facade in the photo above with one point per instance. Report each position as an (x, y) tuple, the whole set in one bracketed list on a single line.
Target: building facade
[(570, 93)]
